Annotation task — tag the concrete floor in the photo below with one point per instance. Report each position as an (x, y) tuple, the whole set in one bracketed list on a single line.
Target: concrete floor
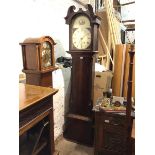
[(69, 148)]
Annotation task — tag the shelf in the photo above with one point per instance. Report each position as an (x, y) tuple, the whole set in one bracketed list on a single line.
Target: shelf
[(40, 147), (27, 147)]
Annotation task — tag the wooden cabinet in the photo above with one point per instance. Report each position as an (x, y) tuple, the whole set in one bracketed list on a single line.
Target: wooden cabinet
[(36, 103), (36, 114), (110, 133), (113, 129)]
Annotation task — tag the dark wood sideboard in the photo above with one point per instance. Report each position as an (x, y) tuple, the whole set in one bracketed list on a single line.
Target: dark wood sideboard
[(113, 130), (36, 108), (111, 133)]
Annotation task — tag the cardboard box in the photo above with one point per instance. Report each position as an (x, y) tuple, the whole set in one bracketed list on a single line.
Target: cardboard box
[(98, 93), (102, 83), (103, 80)]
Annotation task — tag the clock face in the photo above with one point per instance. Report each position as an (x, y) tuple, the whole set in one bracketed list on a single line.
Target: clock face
[(46, 55), (81, 33)]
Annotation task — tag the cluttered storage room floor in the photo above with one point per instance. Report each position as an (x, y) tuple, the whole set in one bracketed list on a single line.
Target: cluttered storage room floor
[(66, 147)]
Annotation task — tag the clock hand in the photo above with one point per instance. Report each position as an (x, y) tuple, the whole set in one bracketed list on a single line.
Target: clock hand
[(84, 36), (81, 42)]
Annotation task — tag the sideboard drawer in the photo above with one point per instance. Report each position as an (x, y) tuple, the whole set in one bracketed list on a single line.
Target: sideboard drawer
[(114, 120), (29, 114)]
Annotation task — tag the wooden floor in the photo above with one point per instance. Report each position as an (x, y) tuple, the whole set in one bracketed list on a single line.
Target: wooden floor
[(65, 147), (69, 148)]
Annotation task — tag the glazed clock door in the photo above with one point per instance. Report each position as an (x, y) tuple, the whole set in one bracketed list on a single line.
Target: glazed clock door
[(81, 33), (46, 57), (38, 60)]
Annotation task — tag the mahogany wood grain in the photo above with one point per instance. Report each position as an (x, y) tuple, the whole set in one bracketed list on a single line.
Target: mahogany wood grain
[(31, 52), (30, 94), (33, 122), (113, 131), (36, 74), (35, 106), (36, 102)]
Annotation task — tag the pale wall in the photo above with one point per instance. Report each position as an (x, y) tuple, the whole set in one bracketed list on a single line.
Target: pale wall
[(46, 17), (21, 19)]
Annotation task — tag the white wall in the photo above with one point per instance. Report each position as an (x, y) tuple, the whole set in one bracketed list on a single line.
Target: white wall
[(46, 17), (43, 17), (21, 19)]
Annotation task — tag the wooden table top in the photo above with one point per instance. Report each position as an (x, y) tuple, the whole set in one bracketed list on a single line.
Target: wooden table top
[(30, 94)]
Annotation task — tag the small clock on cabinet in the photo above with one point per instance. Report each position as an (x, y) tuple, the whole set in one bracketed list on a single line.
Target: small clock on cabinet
[(38, 60), (46, 58)]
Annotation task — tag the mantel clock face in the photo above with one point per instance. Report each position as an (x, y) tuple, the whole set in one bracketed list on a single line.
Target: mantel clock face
[(81, 33), (46, 54)]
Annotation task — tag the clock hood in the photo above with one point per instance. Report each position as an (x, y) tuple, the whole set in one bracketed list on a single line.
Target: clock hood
[(94, 19)]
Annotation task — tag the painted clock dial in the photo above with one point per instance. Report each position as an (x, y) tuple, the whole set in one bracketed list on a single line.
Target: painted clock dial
[(81, 33), (46, 54)]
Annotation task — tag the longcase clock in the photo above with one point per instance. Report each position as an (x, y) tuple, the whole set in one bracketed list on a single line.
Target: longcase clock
[(38, 60), (83, 45)]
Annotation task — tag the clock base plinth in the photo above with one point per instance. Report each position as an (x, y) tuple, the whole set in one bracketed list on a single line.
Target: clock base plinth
[(79, 129)]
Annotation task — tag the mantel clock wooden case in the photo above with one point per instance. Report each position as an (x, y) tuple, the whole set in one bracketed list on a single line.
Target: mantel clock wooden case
[(38, 60), (83, 45)]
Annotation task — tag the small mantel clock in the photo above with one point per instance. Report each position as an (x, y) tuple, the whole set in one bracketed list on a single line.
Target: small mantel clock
[(83, 45), (38, 60)]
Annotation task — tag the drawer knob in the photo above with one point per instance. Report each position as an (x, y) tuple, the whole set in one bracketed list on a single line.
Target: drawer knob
[(106, 121)]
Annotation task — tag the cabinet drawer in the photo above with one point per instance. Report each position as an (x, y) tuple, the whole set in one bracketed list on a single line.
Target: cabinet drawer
[(28, 114), (114, 120)]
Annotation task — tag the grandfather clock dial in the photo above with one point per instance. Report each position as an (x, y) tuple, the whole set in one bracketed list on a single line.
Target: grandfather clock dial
[(81, 33), (81, 38)]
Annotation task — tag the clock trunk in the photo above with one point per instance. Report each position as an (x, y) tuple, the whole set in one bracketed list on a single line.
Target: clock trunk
[(79, 120), (81, 84)]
